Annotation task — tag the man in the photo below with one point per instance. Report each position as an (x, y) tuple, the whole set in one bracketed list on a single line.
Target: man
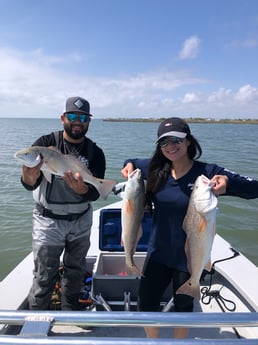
[(62, 216)]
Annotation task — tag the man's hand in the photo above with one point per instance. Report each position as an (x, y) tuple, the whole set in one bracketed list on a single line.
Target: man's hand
[(75, 182), (31, 175)]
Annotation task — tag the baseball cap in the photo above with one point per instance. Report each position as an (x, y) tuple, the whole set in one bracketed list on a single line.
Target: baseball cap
[(77, 104), (173, 126)]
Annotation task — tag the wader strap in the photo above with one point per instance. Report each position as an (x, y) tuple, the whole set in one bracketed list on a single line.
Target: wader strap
[(70, 217), (57, 138), (90, 145)]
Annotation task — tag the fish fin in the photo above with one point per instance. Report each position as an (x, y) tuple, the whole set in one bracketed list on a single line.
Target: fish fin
[(203, 224), (139, 235), (47, 175), (128, 206), (214, 230), (187, 253), (54, 148), (188, 288), (140, 232), (208, 266), (105, 187)]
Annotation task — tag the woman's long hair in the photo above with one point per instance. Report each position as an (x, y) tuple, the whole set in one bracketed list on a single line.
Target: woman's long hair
[(160, 168)]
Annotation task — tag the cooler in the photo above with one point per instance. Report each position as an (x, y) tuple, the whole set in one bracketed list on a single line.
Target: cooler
[(111, 283)]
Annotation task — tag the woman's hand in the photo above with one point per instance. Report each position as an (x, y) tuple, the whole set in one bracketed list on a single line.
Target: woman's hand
[(127, 170), (221, 183)]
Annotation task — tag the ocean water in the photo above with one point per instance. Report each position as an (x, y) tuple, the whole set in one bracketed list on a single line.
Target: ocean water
[(234, 146)]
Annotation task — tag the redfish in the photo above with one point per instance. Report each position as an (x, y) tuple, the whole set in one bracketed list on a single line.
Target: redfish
[(200, 227), (132, 213), (57, 164)]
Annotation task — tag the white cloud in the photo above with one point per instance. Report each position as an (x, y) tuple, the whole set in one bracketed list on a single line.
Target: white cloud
[(33, 84), (220, 95), (190, 98), (190, 48), (247, 93)]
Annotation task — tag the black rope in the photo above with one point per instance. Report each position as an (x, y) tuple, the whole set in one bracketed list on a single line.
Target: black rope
[(225, 304), (208, 295), (235, 254)]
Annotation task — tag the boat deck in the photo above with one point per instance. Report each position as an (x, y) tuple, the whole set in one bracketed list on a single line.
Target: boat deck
[(227, 314)]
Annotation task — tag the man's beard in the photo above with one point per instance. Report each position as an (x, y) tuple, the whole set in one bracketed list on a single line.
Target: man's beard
[(75, 135)]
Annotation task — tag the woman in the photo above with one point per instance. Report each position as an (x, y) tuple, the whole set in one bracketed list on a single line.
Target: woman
[(170, 174)]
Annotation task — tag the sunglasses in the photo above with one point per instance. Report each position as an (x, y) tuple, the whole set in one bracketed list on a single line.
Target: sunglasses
[(170, 140), (75, 117)]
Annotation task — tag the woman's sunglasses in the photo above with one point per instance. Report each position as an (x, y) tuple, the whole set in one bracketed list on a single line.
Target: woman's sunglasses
[(170, 140)]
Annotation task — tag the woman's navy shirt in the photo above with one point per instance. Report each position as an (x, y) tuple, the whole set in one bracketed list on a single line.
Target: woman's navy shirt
[(167, 240)]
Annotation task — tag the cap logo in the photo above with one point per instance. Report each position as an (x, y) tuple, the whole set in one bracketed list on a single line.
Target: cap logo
[(78, 103), (168, 124)]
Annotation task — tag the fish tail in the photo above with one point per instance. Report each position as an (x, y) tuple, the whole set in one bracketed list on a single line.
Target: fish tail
[(105, 187), (188, 288), (133, 269), (208, 266)]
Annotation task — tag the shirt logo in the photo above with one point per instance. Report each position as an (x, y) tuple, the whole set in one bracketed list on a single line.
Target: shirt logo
[(84, 161), (190, 186)]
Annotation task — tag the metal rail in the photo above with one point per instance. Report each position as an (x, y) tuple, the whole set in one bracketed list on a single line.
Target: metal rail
[(136, 319), (121, 341), (35, 326)]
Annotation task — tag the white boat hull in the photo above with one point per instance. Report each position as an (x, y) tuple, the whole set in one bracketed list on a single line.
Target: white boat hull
[(235, 283)]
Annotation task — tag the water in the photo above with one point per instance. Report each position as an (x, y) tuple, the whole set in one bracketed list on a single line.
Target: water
[(234, 146)]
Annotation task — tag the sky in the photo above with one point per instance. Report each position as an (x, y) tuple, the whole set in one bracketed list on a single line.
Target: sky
[(130, 58)]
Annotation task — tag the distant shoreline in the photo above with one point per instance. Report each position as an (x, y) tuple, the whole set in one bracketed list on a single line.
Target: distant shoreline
[(189, 120)]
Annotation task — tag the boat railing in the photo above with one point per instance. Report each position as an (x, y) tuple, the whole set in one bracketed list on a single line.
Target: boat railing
[(36, 325)]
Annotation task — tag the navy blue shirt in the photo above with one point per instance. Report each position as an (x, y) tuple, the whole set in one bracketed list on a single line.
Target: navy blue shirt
[(167, 240)]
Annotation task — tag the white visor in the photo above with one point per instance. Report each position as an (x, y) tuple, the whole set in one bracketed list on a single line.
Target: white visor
[(173, 134)]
